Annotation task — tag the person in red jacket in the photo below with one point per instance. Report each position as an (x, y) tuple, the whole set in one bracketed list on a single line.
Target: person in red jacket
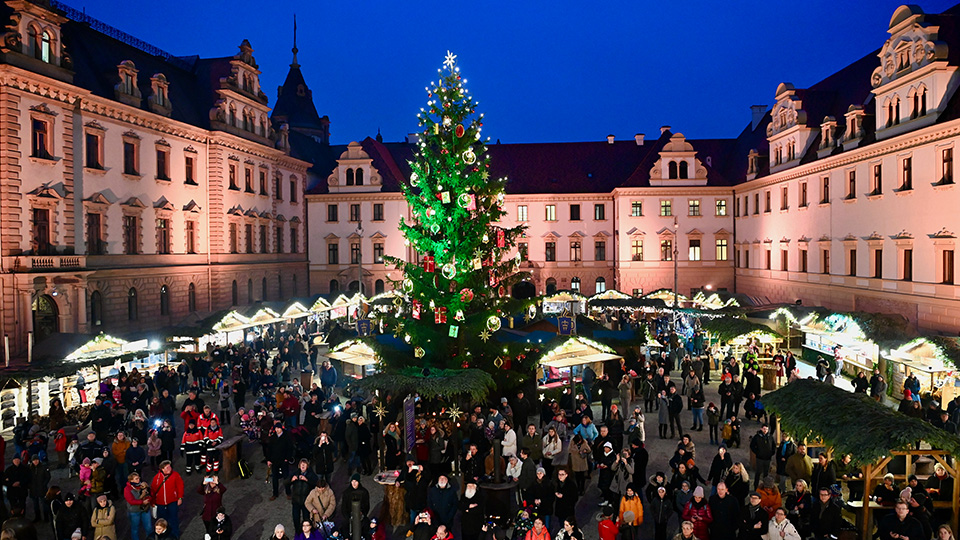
[(167, 492), (698, 512), (212, 437), (192, 445), (189, 414), (290, 407), (207, 418), (607, 528)]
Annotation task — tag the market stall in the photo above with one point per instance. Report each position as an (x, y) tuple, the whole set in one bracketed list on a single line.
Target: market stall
[(564, 364), (357, 359), (565, 302), (931, 359), (840, 337)]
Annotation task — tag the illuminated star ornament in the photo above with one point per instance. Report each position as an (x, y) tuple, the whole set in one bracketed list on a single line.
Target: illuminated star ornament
[(380, 411), (450, 60), (454, 412), (484, 335)]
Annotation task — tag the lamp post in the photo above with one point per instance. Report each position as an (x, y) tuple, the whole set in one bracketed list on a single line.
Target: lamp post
[(360, 258), (676, 273)]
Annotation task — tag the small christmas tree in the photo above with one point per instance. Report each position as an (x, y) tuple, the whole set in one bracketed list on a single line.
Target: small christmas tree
[(458, 288)]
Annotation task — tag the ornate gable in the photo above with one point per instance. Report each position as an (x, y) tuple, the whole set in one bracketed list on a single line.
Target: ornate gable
[(678, 165), (354, 172), (788, 133)]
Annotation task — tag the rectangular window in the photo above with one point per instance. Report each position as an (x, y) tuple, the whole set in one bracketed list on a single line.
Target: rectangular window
[(666, 250), (803, 260), (803, 195), (756, 203), (907, 175), (41, 139), (947, 267), (248, 237), (852, 185), (191, 227), (636, 250), (248, 179), (293, 190), (878, 263), (378, 253), (333, 253), (721, 207), (746, 205), (41, 231), (768, 259), (294, 240), (908, 265), (599, 212), (736, 207), (263, 182), (852, 263), (666, 208), (131, 235), (946, 166), (575, 251), (130, 165), (232, 175), (766, 202), (574, 212), (93, 154), (522, 213), (784, 198), (636, 209), (721, 249), (746, 258), (355, 255), (784, 260), (550, 251), (600, 250), (354, 213), (95, 245), (189, 173), (378, 211), (522, 249), (551, 213), (693, 207), (163, 164), (333, 213), (263, 239), (693, 253), (278, 187), (163, 236), (825, 261), (825, 191), (278, 239), (234, 238), (877, 187)]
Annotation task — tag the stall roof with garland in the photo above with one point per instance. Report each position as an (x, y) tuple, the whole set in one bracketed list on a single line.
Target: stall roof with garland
[(728, 328), (945, 349), (850, 423), (576, 351)]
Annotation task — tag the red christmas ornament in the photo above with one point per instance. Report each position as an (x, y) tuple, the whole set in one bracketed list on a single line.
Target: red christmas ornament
[(466, 295), (501, 238), (429, 265), (493, 279), (416, 309), (440, 315), (459, 131)]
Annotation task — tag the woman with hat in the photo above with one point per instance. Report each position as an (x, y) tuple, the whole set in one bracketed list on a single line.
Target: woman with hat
[(220, 528), (698, 512)]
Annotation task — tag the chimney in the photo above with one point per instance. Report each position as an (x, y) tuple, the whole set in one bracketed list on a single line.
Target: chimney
[(664, 129), (639, 138), (757, 113), (609, 139), (413, 138)]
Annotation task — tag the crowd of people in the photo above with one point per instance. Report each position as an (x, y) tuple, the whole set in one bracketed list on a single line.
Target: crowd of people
[(513, 467)]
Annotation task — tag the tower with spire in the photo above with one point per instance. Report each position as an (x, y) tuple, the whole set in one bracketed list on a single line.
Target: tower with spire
[(295, 105)]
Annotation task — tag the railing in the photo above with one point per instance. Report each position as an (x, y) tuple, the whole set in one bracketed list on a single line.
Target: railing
[(120, 35), (45, 263)]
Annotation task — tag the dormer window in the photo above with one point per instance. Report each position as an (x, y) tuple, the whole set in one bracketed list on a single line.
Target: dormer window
[(160, 94), (44, 47), (918, 105), (903, 57), (672, 170), (126, 90)]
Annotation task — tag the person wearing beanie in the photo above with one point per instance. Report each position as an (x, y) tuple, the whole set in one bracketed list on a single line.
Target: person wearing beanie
[(354, 492), (608, 530), (220, 528), (661, 509), (770, 498), (71, 517), (697, 511), (631, 504)]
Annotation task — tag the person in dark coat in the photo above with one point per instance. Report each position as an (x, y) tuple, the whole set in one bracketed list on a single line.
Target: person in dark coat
[(358, 493), (281, 453), (566, 495), (826, 519), (442, 499), (661, 508), (302, 482), (72, 516), (39, 481), (473, 513), (323, 451), (540, 496), (220, 528), (726, 514), (824, 473), (415, 482), (16, 478), (900, 525), (521, 409), (754, 519)]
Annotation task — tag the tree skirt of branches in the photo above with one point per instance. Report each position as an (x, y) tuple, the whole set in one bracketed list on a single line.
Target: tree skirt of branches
[(431, 383), (850, 423)]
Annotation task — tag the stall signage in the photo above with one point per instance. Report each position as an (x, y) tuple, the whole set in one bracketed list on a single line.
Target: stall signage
[(409, 418), (363, 327), (565, 326)]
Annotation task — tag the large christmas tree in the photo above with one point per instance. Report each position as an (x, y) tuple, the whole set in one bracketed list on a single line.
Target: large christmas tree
[(458, 289)]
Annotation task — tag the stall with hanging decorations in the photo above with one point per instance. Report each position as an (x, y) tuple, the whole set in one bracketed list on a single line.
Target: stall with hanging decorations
[(933, 360), (357, 359), (839, 336), (567, 302), (564, 364)]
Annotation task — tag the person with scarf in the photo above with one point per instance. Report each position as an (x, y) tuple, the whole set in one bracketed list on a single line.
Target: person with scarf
[(780, 527), (661, 509), (697, 511), (137, 495)]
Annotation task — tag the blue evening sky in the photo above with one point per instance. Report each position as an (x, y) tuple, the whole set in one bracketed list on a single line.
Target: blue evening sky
[(542, 71)]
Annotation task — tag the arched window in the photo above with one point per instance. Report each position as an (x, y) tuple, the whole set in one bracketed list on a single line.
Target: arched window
[(359, 177), (551, 286), (683, 170), (45, 47), (354, 286), (192, 298), (601, 285), (235, 298), (249, 291), (232, 117), (889, 113), (349, 177), (672, 168), (133, 311), (164, 300), (96, 309), (378, 286), (575, 284), (46, 317), (263, 289), (923, 100), (334, 286)]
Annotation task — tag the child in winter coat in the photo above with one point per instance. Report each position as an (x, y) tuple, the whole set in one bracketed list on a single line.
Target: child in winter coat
[(713, 420), (86, 474), (153, 448), (72, 453)]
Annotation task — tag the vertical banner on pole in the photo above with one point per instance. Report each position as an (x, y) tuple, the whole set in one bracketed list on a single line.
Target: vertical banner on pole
[(409, 417)]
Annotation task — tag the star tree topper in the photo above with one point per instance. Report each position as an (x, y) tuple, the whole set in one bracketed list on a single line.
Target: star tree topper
[(450, 60)]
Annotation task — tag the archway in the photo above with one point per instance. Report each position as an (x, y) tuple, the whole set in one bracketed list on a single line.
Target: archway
[(46, 317), (354, 286), (551, 286), (524, 290)]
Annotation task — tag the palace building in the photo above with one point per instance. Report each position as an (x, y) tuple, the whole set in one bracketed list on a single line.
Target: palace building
[(138, 188)]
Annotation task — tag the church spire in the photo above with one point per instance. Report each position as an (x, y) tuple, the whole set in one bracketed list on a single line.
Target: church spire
[(295, 50)]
